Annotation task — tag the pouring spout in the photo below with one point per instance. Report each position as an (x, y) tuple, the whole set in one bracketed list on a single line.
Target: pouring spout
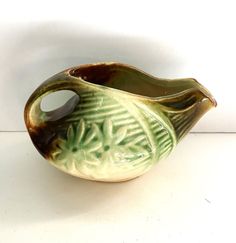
[(185, 107), (206, 93)]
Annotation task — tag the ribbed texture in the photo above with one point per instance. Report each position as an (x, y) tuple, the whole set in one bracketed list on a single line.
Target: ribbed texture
[(162, 137), (182, 122)]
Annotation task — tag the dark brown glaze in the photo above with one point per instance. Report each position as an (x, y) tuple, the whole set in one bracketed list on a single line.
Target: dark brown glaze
[(45, 135), (42, 138), (97, 74)]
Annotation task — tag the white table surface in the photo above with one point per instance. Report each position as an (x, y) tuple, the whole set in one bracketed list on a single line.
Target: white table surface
[(188, 197)]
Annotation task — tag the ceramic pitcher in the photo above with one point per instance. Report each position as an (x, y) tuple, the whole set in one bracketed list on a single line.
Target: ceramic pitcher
[(119, 123)]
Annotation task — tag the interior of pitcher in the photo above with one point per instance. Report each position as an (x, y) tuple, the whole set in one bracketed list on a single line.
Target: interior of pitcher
[(127, 78)]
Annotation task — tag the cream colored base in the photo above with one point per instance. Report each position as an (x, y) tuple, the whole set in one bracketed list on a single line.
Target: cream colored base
[(107, 175)]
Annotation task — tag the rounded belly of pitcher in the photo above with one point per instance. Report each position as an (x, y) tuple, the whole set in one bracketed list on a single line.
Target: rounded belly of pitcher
[(118, 146)]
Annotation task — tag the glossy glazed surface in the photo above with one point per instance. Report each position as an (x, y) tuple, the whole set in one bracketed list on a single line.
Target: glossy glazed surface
[(120, 123)]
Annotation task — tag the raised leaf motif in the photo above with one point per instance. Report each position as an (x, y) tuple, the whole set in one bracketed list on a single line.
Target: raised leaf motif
[(102, 147)]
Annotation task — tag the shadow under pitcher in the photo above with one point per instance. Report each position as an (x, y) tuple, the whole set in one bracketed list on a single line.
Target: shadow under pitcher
[(119, 123)]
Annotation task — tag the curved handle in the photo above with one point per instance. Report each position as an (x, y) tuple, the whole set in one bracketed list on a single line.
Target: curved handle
[(33, 114)]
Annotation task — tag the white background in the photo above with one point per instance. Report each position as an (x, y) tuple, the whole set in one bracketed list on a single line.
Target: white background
[(189, 197), (170, 39)]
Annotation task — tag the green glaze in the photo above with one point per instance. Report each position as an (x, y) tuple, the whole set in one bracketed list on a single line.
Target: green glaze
[(121, 123)]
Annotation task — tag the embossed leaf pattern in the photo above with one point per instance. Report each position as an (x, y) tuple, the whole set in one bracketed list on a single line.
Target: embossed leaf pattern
[(115, 151), (120, 135), (80, 130), (73, 147), (107, 130), (93, 145)]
